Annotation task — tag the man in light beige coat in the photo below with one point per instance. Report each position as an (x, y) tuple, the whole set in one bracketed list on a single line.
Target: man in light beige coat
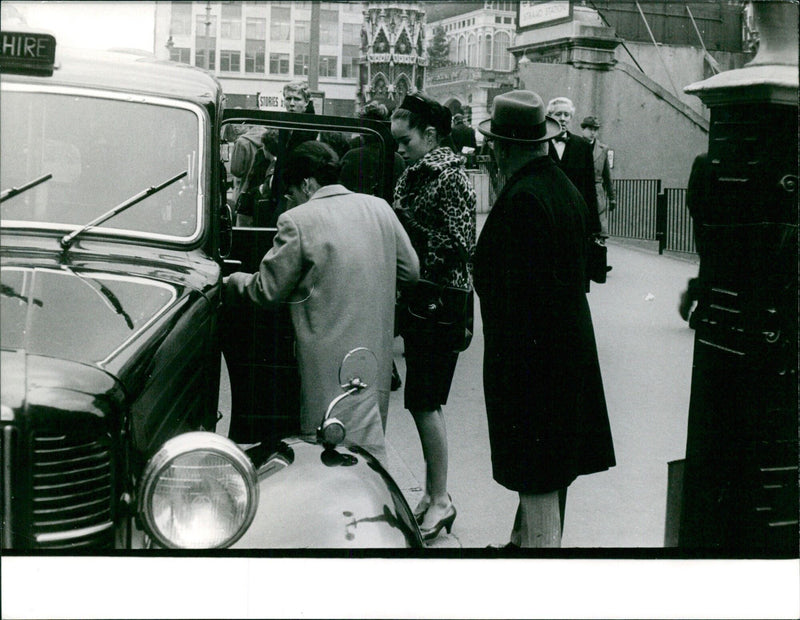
[(336, 259)]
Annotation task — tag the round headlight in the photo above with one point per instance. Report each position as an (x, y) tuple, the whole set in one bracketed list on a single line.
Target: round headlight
[(199, 491)]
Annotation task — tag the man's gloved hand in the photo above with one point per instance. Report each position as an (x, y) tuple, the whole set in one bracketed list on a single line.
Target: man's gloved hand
[(612, 204)]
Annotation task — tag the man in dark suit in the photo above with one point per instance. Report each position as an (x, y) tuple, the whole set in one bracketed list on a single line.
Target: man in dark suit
[(573, 154), (545, 403)]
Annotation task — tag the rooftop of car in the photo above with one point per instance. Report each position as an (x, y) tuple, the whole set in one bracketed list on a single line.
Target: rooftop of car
[(130, 71)]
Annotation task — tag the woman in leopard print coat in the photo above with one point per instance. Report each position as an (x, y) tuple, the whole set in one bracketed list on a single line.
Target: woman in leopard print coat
[(436, 204)]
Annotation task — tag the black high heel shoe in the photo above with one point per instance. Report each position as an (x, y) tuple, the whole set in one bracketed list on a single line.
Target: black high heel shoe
[(445, 522)]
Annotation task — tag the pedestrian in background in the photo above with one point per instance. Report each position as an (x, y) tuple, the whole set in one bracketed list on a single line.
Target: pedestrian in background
[(436, 203), (296, 100), (545, 402), (251, 161), (606, 197), (604, 188), (361, 165), (698, 202), (464, 138), (336, 257)]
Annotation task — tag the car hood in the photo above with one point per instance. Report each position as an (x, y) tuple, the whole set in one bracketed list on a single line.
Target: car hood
[(46, 392), (84, 316)]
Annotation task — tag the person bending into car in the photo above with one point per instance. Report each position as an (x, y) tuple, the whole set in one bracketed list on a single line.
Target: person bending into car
[(336, 259)]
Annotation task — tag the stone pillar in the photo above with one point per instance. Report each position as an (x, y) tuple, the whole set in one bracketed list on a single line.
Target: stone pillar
[(740, 488)]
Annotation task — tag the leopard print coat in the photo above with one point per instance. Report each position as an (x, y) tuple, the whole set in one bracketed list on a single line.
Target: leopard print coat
[(435, 201)]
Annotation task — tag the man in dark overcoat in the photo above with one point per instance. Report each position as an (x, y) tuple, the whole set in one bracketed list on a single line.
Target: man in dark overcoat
[(545, 403), (574, 155)]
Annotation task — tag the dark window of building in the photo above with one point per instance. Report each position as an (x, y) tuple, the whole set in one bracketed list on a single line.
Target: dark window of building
[(230, 60), (254, 57), (180, 54), (327, 66), (279, 64), (200, 58), (350, 65), (300, 62), (205, 44)]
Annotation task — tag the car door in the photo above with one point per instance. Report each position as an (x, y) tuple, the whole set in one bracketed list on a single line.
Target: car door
[(258, 344)]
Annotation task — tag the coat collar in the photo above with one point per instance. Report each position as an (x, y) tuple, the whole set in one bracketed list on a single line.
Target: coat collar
[(533, 165), (330, 190)]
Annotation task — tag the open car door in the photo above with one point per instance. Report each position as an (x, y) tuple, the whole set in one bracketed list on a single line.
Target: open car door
[(258, 344)]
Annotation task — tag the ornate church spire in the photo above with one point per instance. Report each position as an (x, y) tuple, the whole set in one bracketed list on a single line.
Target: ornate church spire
[(393, 56)]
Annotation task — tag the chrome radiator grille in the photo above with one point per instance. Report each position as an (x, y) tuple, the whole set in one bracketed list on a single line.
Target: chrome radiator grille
[(73, 490)]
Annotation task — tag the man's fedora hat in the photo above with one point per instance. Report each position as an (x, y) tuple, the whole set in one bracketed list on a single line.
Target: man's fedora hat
[(519, 116), (590, 121)]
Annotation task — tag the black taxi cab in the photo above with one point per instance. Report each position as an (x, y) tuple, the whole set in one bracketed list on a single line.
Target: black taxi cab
[(116, 235)]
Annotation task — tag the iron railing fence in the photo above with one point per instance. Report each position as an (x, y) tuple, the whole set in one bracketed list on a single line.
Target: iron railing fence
[(679, 233), (645, 210), (635, 215)]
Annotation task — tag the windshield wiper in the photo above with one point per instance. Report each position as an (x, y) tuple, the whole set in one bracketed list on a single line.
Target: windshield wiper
[(105, 293), (68, 240), (9, 291), (15, 191)]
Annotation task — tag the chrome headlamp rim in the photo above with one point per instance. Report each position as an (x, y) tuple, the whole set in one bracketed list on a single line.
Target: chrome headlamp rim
[(182, 445)]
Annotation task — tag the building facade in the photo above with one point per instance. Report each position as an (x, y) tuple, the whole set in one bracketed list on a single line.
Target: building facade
[(393, 58), (254, 48), (480, 66)]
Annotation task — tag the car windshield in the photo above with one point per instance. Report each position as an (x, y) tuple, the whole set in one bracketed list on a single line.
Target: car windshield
[(100, 152)]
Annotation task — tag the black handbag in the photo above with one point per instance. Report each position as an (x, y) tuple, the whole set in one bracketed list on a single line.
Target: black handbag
[(445, 313), (596, 260)]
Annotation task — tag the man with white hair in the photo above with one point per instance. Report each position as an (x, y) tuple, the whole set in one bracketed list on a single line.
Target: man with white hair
[(573, 154)]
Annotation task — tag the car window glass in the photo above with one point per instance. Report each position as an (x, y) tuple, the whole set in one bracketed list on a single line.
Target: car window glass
[(100, 152), (361, 154)]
